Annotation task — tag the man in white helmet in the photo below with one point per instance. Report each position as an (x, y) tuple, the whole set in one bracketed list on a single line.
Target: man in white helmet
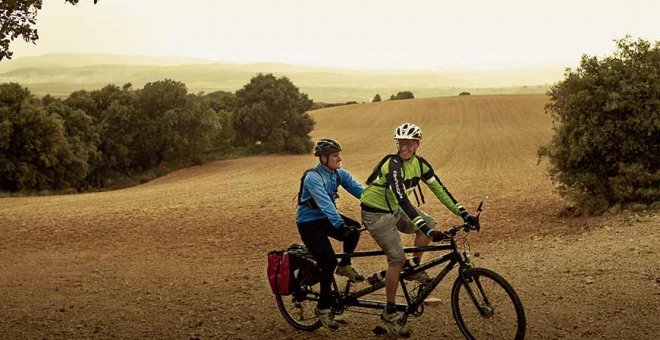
[(386, 210)]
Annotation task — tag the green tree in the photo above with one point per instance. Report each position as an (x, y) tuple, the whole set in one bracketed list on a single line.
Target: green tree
[(34, 151), (117, 129), (13, 96), (222, 103), (192, 130), (154, 100), (114, 119), (18, 18), (176, 128), (221, 100), (606, 145), (224, 139), (404, 95), (82, 100), (93, 137), (376, 98), (83, 140), (273, 111)]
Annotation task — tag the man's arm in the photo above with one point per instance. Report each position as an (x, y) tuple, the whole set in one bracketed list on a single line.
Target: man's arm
[(314, 184), (350, 184), (440, 191)]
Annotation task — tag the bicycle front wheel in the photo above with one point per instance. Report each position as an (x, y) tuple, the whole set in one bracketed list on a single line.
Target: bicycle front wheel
[(298, 308), (485, 306)]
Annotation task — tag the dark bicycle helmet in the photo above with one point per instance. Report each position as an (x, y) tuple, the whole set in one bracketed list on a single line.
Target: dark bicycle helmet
[(326, 146), (408, 131)]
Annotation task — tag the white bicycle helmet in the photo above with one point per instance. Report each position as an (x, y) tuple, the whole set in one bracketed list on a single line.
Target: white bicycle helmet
[(408, 131)]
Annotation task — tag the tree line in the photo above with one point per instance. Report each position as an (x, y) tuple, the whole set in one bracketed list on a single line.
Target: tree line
[(95, 139), (401, 95)]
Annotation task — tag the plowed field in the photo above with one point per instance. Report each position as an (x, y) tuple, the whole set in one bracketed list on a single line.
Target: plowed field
[(183, 256)]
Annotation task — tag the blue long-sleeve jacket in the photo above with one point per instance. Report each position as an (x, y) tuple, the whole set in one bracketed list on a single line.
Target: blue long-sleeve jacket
[(324, 196)]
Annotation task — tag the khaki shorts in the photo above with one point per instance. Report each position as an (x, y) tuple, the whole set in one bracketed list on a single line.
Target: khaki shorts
[(384, 228)]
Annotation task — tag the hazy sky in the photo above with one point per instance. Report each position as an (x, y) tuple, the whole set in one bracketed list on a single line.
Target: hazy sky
[(411, 34)]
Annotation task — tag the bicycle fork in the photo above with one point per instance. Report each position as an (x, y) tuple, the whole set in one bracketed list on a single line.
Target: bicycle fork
[(485, 309)]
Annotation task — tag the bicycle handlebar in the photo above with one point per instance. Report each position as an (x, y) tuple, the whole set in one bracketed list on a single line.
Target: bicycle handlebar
[(451, 232), (454, 229)]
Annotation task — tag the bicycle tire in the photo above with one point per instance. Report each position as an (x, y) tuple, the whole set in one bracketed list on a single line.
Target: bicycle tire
[(502, 317), (298, 308)]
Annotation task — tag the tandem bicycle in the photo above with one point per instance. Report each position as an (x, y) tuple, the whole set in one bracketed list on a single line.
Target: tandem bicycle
[(484, 305)]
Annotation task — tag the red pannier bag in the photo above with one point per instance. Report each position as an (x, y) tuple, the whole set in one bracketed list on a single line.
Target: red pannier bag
[(290, 269), (279, 274)]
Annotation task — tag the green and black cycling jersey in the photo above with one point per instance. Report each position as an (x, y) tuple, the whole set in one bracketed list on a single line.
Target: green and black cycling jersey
[(396, 180)]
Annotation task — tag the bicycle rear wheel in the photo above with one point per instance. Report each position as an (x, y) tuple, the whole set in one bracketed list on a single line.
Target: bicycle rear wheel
[(298, 308), (485, 306)]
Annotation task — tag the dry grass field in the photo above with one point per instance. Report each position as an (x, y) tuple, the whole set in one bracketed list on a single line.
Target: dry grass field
[(184, 256)]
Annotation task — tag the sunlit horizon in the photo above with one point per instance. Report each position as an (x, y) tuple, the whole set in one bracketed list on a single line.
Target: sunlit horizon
[(416, 35)]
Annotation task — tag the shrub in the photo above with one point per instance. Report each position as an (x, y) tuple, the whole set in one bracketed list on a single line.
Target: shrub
[(403, 95), (606, 121)]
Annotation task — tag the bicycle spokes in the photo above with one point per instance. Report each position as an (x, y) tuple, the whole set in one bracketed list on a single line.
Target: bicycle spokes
[(298, 308), (486, 307)]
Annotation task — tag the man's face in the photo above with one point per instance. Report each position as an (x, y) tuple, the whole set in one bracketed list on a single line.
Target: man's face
[(407, 148), (333, 161)]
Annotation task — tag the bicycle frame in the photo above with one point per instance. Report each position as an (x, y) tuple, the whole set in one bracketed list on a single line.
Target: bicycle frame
[(352, 299), (505, 316)]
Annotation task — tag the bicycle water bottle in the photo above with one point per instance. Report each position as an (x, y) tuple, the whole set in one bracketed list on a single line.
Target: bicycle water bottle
[(376, 277), (411, 262)]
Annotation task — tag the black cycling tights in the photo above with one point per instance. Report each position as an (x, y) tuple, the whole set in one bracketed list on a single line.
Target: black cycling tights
[(314, 235)]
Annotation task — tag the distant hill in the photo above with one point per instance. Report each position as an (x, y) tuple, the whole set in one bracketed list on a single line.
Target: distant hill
[(60, 74), (87, 59)]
